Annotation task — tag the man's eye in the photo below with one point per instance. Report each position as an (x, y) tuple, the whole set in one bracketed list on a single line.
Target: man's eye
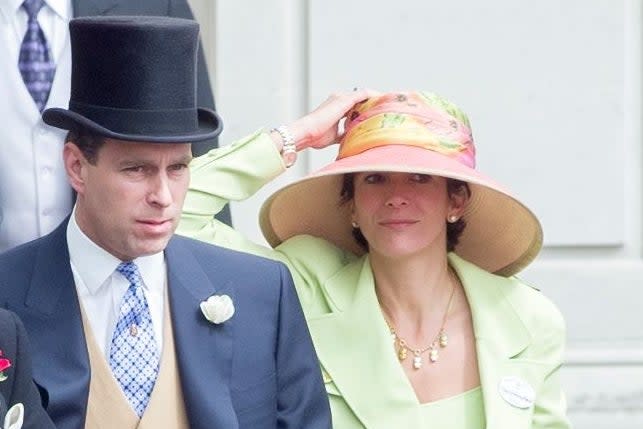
[(178, 167), (134, 169)]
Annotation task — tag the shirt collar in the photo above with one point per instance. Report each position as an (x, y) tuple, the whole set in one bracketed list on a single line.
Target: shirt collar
[(94, 264), (9, 8), (62, 8)]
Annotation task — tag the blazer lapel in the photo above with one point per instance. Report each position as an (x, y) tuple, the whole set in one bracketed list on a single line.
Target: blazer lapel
[(52, 318), (354, 347), (357, 328), (203, 350), (93, 7), (501, 335)]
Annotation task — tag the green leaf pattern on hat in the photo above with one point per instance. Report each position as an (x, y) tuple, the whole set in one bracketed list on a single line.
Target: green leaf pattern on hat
[(392, 120), (444, 104)]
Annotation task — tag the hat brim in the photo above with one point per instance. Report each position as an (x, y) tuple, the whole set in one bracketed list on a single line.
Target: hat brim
[(209, 127), (501, 236)]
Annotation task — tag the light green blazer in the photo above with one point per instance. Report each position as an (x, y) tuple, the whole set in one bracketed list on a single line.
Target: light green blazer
[(519, 332)]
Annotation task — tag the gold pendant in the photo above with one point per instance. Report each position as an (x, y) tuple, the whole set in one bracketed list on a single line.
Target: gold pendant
[(417, 362), (444, 339), (433, 355), (401, 353)]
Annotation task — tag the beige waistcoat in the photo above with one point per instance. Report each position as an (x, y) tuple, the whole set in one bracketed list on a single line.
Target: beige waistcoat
[(107, 407)]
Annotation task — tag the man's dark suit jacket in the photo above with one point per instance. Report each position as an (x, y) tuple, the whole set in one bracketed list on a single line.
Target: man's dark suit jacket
[(174, 8), (18, 387), (256, 370)]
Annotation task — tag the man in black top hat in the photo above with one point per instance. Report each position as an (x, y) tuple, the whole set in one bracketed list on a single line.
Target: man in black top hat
[(129, 322), (35, 72)]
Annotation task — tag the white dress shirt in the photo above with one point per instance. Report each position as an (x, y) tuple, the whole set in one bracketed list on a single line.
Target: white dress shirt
[(34, 193), (100, 288)]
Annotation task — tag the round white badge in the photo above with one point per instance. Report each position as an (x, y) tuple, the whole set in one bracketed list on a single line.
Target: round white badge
[(517, 392)]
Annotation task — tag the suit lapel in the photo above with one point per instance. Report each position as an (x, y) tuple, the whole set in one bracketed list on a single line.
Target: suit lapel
[(203, 350), (354, 348), (500, 335), (52, 318), (93, 7)]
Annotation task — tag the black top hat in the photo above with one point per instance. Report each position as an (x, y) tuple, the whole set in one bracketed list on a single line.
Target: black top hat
[(134, 78)]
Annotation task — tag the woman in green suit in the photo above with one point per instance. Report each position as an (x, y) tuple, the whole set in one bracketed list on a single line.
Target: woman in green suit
[(404, 257)]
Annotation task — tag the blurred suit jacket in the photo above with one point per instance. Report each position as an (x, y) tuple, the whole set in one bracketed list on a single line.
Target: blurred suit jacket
[(18, 386)]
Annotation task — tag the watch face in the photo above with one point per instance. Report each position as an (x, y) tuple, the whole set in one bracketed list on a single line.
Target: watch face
[(289, 157)]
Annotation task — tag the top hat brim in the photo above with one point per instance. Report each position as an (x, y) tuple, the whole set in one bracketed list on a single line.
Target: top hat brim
[(209, 126)]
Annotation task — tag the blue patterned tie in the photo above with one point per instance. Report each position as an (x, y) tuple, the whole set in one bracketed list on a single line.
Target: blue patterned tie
[(134, 356), (35, 63)]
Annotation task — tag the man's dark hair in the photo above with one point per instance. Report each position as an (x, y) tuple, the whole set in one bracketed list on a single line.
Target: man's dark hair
[(88, 142)]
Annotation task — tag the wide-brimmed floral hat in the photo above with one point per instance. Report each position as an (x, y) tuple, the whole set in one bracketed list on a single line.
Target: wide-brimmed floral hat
[(413, 132)]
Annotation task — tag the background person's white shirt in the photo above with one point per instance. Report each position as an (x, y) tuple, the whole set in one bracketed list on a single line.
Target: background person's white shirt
[(35, 195), (100, 289)]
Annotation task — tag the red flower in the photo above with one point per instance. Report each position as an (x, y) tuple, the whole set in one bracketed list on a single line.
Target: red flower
[(4, 364)]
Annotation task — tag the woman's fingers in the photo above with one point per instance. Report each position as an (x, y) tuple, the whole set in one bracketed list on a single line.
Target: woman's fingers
[(319, 128)]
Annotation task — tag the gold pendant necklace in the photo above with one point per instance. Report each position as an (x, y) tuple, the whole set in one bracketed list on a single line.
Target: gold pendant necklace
[(441, 340)]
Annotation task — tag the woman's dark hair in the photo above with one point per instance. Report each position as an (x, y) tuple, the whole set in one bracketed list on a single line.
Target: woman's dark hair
[(89, 143), (454, 230)]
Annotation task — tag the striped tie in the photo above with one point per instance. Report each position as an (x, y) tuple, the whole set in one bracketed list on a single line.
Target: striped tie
[(35, 63)]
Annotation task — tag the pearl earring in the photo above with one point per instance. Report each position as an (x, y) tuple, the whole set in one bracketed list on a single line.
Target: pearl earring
[(453, 219), (354, 224)]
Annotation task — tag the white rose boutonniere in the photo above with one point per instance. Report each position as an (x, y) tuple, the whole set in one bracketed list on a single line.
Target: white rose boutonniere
[(14, 417), (218, 308)]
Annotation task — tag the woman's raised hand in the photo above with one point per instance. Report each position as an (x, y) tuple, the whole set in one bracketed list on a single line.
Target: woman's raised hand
[(320, 128)]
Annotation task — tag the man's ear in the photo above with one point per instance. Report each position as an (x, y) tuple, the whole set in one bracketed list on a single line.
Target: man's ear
[(76, 167)]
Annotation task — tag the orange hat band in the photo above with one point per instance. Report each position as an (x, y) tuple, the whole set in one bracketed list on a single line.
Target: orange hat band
[(414, 123)]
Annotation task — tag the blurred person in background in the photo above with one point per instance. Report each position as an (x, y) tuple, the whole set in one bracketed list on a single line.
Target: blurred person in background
[(20, 402)]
